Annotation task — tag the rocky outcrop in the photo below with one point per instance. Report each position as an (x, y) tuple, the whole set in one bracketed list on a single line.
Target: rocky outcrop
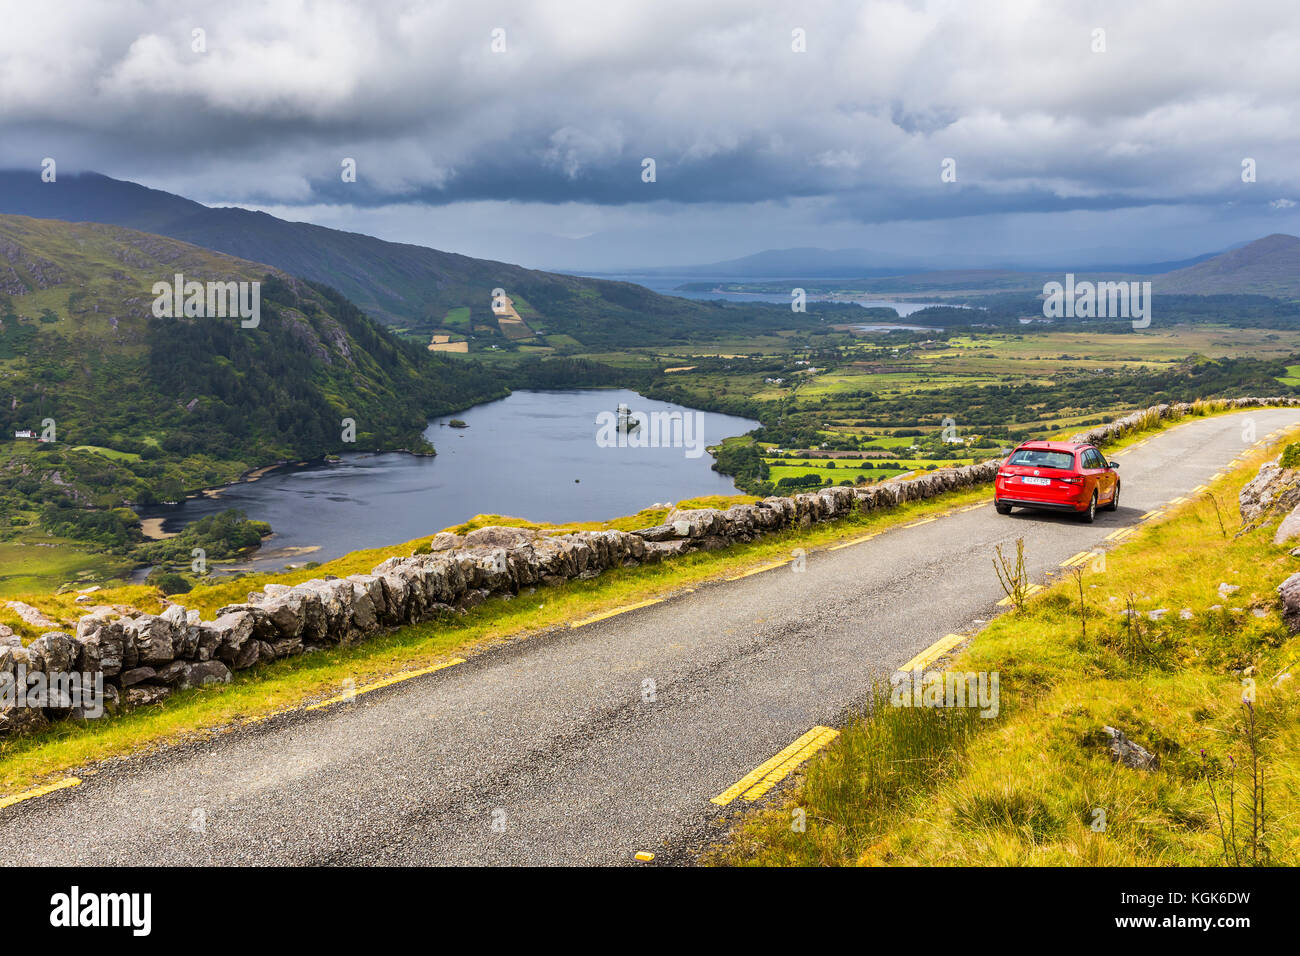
[(1288, 528), (1274, 488), (1127, 753), (1289, 592), (142, 658)]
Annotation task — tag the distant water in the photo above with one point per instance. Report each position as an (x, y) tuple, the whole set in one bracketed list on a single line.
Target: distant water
[(667, 285), (531, 455), (899, 327)]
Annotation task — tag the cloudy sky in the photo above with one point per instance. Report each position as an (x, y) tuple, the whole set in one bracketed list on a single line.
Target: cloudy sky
[(1091, 132)]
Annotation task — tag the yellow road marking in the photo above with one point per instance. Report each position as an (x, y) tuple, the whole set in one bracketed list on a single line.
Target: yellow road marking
[(922, 521), (982, 504), (1151, 514), (758, 776), (645, 857), (1216, 476), (618, 610), (1177, 501), (933, 652), (1080, 558), (39, 791), (1119, 535), (1199, 488), (737, 577), (778, 774), (849, 544), (385, 682)]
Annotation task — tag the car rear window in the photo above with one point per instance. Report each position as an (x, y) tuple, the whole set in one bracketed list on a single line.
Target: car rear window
[(1041, 458)]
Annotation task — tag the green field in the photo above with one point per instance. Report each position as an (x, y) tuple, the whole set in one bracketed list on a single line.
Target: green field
[(38, 563), (457, 319)]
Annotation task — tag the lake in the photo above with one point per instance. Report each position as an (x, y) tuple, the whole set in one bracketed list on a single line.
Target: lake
[(531, 455)]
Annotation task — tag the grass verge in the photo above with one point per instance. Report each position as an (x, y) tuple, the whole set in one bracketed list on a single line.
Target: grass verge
[(1038, 785)]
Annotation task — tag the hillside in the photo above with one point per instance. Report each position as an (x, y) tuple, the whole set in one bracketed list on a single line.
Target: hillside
[(1268, 266), (399, 284), (147, 407)]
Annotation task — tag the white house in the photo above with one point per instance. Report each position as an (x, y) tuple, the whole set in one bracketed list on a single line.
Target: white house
[(24, 433)]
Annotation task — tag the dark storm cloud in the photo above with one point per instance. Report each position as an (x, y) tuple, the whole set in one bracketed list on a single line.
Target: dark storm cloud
[(1036, 118)]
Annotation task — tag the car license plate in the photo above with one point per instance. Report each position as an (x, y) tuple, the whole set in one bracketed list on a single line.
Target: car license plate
[(1037, 481)]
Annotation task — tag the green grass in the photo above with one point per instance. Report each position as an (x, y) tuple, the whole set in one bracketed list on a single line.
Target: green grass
[(457, 319), (35, 563), (939, 787), (109, 452), (848, 471)]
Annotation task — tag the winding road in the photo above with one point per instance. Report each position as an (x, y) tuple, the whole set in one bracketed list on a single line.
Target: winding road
[(588, 744)]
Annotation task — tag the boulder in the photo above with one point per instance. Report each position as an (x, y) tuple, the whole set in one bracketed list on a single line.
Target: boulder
[(1272, 488), (57, 651), (1127, 752), (373, 587), (136, 675), (144, 694), (207, 672), (1289, 591), (397, 590), (102, 645), (21, 720), (1289, 527), (498, 536), (662, 532), (444, 541), (659, 550), (174, 614), (696, 522), (153, 638), (11, 657), (233, 631)]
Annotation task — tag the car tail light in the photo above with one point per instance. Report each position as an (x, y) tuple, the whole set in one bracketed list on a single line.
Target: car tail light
[(1072, 481)]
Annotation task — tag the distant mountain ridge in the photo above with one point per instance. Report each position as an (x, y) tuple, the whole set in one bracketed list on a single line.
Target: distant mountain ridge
[(397, 283), (817, 263), (1268, 266)]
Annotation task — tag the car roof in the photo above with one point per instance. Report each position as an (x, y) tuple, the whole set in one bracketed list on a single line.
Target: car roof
[(1070, 446)]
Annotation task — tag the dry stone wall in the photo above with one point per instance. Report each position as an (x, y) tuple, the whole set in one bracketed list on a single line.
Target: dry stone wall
[(145, 657)]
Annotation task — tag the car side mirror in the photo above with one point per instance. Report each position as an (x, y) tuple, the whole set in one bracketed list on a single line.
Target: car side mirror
[(1112, 464)]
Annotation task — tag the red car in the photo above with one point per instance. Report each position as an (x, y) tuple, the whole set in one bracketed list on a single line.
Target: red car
[(1057, 476)]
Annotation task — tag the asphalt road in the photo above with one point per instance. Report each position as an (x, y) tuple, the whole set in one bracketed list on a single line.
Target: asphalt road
[(550, 750)]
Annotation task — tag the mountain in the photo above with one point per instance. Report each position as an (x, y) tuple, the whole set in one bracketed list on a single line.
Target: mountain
[(144, 407), (801, 262), (396, 283), (815, 263), (1268, 266)]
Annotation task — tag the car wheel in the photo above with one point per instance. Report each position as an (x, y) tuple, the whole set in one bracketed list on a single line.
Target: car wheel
[(1001, 508), (1089, 516), (1114, 501)]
